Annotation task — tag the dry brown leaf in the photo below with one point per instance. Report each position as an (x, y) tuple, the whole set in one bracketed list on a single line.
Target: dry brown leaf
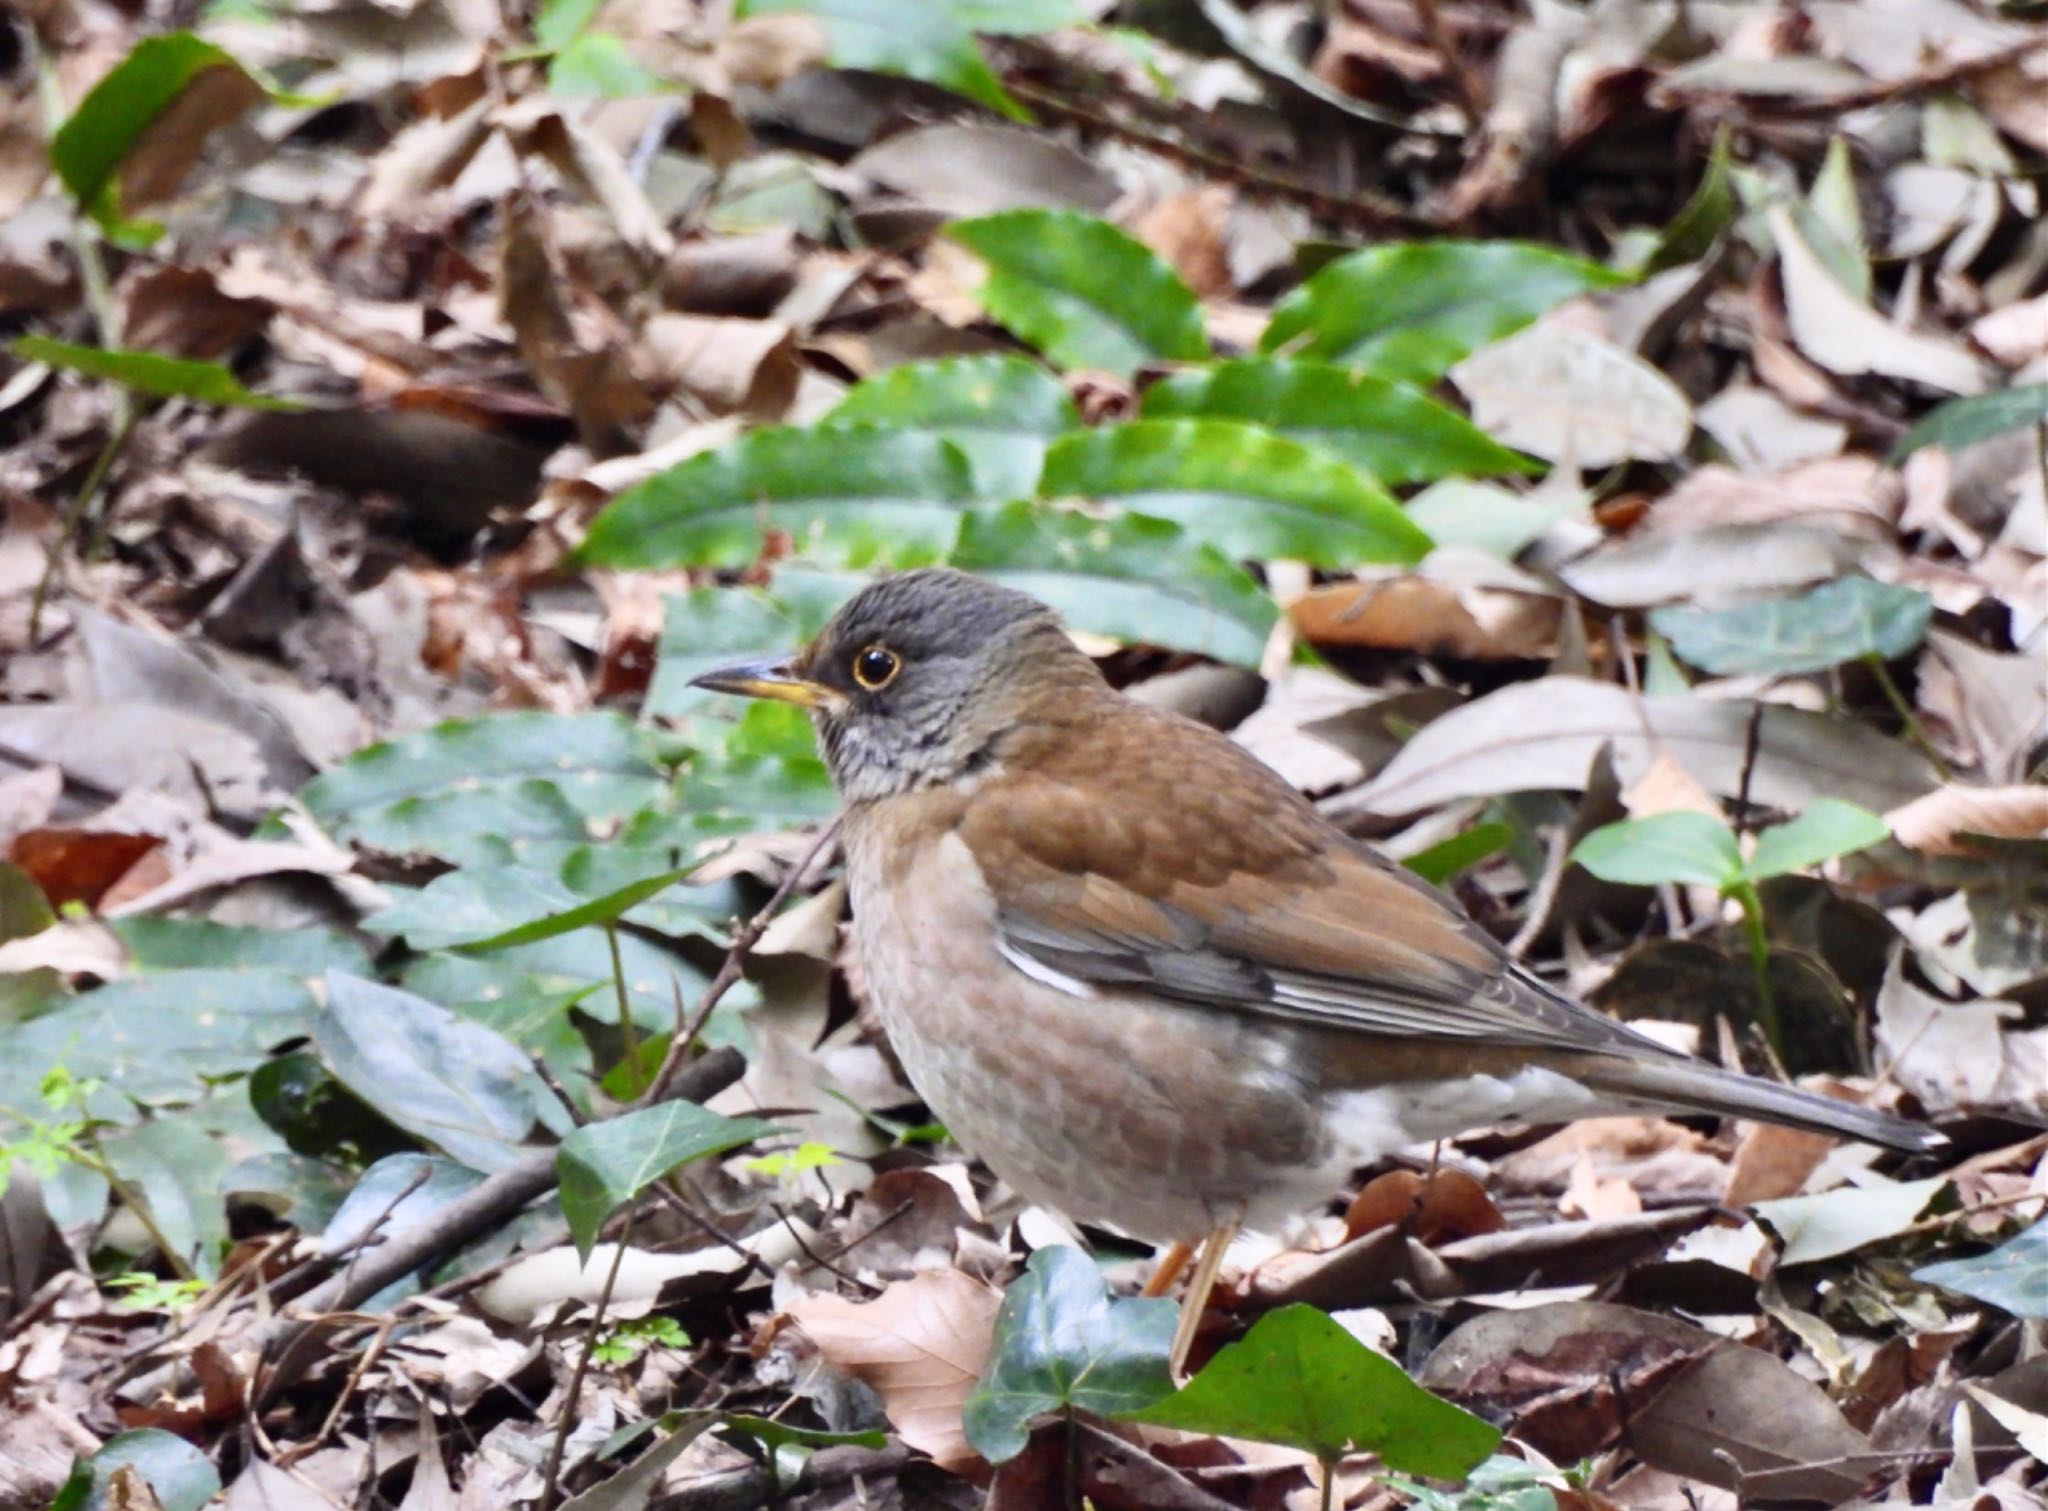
[(743, 365), (921, 1344), (1589, 1194), (155, 166), (1445, 1205), (1771, 1162), (1414, 612), (1564, 394), (1942, 822), (1188, 229)]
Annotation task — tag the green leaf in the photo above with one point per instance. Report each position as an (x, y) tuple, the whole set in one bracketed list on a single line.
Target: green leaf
[(1131, 577), (88, 149), (1389, 430), (2012, 1277), (1083, 292), (598, 66), (1694, 849), (771, 1434), (557, 22), (568, 968), (1703, 218), (180, 1474), (1300, 1379), (1410, 310), (442, 1078), (1846, 1219), (1828, 828), (1446, 858), (1061, 1340), (150, 373), (606, 1164), (24, 910), (1243, 490), (176, 944), (1965, 422), (396, 1194), (177, 1167), (1000, 410), (708, 627), (484, 908), (929, 41), (1835, 622), (464, 786), (847, 495)]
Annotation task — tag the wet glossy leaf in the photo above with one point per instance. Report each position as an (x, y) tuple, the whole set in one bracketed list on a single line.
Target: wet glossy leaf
[(1245, 491), (1409, 310), (439, 1076), (1062, 1340), (606, 1164), (1002, 411), (1965, 422), (1835, 622), (933, 41), (1133, 578), (451, 789), (1391, 431), (851, 495), (1693, 849), (1083, 292), (151, 373), (1300, 1379), (2012, 1277)]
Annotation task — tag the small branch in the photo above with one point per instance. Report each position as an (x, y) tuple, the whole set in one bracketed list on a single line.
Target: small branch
[(1909, 721), (551, 1494)]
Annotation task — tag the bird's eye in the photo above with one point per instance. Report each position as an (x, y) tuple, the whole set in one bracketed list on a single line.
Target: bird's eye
[(876, 667)]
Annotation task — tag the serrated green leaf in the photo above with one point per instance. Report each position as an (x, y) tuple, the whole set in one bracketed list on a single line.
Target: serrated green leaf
[(1247, 492), (1836, 622), (2012, 1277), (1410, 310), (1131, 577), (604, 1165), (1693, 849), (1000, 410), (463, 786), (1965, 422), (1083, 292), (1300, 1379), (1062, 1340), (88, 149), (854, 495), (151, 373), (1391, 431), (1828, 828), (928, 41), (439, 1076)]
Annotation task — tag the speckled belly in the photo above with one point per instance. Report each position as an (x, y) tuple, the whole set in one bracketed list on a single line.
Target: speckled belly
[(1155, 1120)]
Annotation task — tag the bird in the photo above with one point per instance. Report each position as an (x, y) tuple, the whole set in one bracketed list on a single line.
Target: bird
[(1139, 975)]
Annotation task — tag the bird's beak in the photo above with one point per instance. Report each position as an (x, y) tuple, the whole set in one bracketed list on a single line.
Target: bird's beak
[(766, 677)]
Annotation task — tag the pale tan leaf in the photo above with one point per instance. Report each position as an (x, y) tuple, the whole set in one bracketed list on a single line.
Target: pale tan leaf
[(1565, 395), (1942, 822)]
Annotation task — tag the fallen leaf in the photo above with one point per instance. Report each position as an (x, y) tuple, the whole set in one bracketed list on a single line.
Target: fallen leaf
[(1563, 394), (1944, 821)]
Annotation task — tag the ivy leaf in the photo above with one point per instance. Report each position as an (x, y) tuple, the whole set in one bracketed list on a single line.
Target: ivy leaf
[(604, 1165)]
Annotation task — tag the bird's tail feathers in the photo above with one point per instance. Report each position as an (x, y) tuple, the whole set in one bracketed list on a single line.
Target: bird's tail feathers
[(1694, 1087)]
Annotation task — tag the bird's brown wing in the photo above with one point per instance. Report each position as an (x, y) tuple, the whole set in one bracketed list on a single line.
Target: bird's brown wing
[(1150, 852)]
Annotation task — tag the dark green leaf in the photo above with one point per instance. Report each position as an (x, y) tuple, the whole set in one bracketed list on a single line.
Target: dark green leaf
[(316, 1115), (396, 1195), (2013, 1277), (176, 944), (1061, 1340), (1829, 827), (1000, 410), (772, 1435), (1835, 622), (177, 1166), (151, 373), (1703, 218), (1965, 422), (1446, 858), (1241, 489), (1410, 310), (1133, 578), (852, 495), (606, 1164), (89, 147), (180, 1474), (1695, 849), (1083, 292), (450, 789), (1300, 1379), (485, 908), (23, 908), (570, 967), (928, 41), (441, 1077), (1391, 431)]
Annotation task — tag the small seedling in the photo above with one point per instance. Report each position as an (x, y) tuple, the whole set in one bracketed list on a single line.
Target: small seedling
[(629, 1340)]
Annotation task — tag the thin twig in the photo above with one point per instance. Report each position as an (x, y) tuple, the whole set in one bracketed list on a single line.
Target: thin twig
[(551, 1494)]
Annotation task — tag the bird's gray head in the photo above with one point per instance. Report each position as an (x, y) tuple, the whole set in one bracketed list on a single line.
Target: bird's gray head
[(919, 679)]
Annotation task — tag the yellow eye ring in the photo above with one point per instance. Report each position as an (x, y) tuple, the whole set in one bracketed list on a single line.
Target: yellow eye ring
[(875, 667)]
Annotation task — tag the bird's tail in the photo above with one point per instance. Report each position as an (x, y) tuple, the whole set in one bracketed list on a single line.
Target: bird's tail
[(1690, 1086)]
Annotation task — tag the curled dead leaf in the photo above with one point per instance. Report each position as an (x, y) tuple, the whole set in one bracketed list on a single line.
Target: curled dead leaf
[(1944, 820)]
